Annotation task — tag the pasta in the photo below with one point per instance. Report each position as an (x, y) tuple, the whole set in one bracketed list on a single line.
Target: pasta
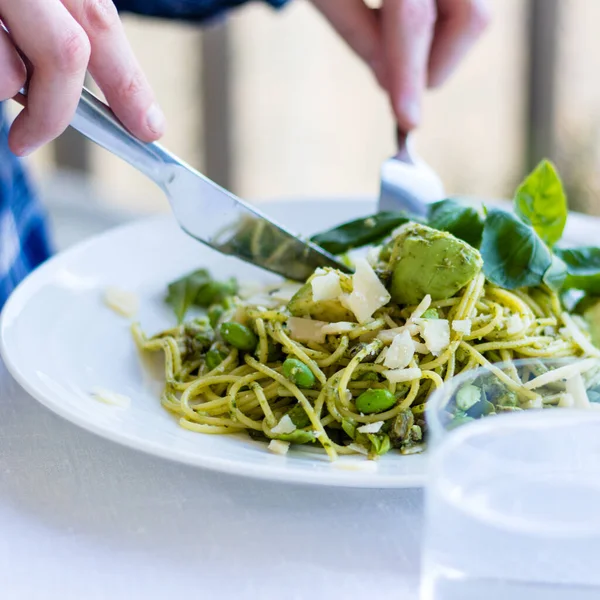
[(353, 386)]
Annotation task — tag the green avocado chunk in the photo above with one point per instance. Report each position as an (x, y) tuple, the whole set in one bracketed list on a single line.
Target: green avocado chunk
[(303, 305), (430, 262)]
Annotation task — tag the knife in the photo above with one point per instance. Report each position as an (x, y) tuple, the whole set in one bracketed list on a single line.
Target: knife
[(204, 210)]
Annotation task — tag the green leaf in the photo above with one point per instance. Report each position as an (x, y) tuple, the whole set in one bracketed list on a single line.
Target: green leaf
[(182, 293), (540, 201), (583, 268), (360, 232), (513, 254), (555, 275), (463, 222), (214, 292)]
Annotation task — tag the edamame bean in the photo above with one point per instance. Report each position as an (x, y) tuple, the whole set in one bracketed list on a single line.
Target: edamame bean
[(374, 401), (214, 358), (239, 336), (297, 372)]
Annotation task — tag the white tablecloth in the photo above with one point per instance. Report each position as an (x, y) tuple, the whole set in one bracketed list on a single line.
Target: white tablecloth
[(82, 518)]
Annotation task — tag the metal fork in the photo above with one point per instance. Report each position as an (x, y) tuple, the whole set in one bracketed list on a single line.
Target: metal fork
[(407, 182)]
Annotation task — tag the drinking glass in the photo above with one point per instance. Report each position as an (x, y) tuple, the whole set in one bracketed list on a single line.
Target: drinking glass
[(513, 498)]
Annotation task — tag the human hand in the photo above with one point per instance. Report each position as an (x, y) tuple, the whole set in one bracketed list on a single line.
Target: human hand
[(59, 40), (409, 44)]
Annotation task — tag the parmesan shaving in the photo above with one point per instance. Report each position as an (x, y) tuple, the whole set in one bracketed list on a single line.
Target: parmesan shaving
[(337, 328), (368, 293), (326, 287), (436, 333), (562, 373), (576, 388), (279, 447), (401, 352), (402, 375), (462, 326), (285, 425), (122, 302), (371, 427), (306, 330), (423, 306), (112, 398)]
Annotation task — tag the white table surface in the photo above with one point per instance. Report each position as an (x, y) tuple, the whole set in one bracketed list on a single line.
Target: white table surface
[(83, 518)]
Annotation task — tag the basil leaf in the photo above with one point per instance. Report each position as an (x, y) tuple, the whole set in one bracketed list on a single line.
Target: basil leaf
[(461, 221), (555, 275), (360, 232), (540, 201), (183, 292), (583, 268), (513, 254)]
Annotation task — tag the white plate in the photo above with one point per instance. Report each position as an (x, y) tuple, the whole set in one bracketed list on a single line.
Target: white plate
[(60, 342)]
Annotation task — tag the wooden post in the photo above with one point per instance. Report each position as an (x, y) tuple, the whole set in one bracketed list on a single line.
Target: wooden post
[(541, 82)]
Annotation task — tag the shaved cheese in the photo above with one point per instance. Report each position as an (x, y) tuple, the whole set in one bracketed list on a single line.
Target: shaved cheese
[(371, 427), (326, 287), (579, 337), (337, 328), (387, 335), (549, 330), (279, 447), (402, 375), (264, 300), (285, 425), (306, 330), (121, 301), (436, 333), (368, 293), (566, 401), (423, 306), (576, 387), (347, 465), (381, 356), (112, 398), (421, 348), (462, 326), (358, 448), (514, 324), (562, 373), (285, 292), (401, 352)]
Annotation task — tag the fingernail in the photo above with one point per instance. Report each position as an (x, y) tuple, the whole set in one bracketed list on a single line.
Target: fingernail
[(155, 119), (410, 110), (26, 151)]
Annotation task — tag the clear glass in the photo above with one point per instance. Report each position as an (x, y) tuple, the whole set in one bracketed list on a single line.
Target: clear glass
[(513, 499)]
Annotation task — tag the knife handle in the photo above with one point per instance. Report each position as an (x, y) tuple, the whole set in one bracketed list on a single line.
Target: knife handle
[(96, 121)]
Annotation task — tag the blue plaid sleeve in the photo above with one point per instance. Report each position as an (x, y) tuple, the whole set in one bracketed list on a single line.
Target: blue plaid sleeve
[(24, 242), (190, 10)]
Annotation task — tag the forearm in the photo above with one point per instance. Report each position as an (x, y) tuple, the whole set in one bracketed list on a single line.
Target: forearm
[(189, 10)]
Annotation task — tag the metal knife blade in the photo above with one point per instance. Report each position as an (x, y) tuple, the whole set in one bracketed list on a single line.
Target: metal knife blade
[(203, 209)]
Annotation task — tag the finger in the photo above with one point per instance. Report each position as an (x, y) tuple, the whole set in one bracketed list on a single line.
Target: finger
[(116, 70), (407, 27), (13, 73), (359, 26), (460, 23), (59, 52)]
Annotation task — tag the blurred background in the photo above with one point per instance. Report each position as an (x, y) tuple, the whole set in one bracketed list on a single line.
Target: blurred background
[(272, 104)]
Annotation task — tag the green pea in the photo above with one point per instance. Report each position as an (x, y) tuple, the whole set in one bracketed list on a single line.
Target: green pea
[(214, 358), (297, 372), (374, 401), (214, 314), (239, 336)]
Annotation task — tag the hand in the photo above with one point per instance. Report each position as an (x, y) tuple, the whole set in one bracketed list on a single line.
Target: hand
[(409, 44), (59, 40)]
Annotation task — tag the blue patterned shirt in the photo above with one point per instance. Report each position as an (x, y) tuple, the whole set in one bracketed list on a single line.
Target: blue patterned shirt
[(24, 241)]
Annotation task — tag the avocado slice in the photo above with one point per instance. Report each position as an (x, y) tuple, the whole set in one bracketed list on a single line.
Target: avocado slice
[(431, 262), (303, 305)]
